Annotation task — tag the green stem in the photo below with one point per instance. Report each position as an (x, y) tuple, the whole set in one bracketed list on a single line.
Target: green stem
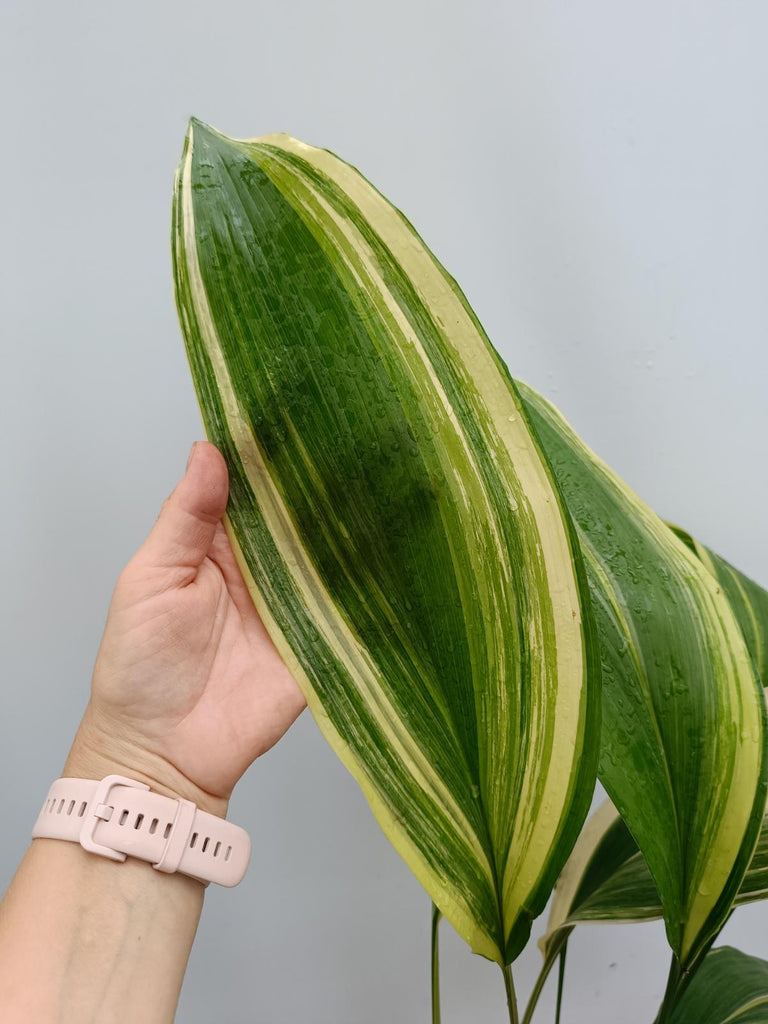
[(506, 970), (435, 966), (670, 995), (560, 983), (538, 988), (556, 949)]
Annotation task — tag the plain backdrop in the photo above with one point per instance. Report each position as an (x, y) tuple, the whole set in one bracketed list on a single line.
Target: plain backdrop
[(593, 173)]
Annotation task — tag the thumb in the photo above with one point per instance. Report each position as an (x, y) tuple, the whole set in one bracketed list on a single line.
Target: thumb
[(185, 528)]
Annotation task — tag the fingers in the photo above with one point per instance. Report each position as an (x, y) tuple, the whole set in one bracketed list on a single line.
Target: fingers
[(186, 526)]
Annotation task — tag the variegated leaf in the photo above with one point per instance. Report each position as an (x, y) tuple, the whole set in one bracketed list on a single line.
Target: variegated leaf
[(607, 881), (400, 531), (730, 988), (603, 847), (683, 746), (748, 599)]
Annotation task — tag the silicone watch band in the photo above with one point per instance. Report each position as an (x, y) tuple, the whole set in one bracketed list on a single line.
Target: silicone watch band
[(119, 816)]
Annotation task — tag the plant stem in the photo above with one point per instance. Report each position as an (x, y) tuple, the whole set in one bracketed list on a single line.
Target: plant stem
[(506, 970), (435, 966), (537, 989), (555, 950), (670, 995), (560, 983)]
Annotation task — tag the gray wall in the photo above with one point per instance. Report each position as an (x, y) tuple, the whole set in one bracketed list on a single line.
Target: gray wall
[(595, 176)]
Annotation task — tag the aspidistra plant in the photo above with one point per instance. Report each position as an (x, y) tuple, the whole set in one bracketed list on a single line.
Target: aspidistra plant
[(446, 569)]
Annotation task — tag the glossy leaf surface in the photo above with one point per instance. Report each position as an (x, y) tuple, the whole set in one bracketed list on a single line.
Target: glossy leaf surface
[(748, 599), (398, 527)]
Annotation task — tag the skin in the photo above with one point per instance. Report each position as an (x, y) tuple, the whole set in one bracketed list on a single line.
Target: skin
[(187, 691)]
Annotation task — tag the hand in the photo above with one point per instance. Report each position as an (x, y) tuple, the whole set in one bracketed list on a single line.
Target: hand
[(188, 688)]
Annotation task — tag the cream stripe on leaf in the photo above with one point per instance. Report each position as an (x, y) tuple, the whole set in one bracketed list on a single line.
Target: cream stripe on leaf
[(683, 753), (399, 529), (748, 599)]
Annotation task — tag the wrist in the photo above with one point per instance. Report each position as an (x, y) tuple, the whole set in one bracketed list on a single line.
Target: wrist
[(95, 753)]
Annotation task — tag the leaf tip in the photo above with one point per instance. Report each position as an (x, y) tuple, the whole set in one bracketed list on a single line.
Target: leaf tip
[(200, 131)]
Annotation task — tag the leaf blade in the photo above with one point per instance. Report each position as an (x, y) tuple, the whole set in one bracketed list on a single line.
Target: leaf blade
[(748, 599), (729, 988), (604, 883), (684, 754), (474, 537)]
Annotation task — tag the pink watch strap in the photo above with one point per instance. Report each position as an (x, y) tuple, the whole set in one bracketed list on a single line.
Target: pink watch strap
[(119, 816)]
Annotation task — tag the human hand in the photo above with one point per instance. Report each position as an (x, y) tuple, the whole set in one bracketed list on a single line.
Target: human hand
[(188, 688)]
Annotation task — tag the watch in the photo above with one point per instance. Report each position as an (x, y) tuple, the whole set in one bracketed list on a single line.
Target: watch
[(118, 816)]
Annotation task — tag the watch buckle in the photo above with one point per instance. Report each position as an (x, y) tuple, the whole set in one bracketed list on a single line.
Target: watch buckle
[(101, 810)]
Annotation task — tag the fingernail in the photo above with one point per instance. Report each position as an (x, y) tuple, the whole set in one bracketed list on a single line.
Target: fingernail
[(191, 455)]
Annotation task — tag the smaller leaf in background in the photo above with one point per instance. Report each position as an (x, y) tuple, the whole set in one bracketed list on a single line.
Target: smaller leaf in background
[(603, 846), (748, 599), (729, 988), (607, 881)]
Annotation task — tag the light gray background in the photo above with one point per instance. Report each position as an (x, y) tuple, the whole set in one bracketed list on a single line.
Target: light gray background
[(595, 175)]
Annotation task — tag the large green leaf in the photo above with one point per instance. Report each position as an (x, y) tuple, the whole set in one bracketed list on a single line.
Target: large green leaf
[(400, 531), (683, 749), (606, 879), (730, 988), (748, 599)]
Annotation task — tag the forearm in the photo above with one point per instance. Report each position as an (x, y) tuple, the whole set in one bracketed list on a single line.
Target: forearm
[(92, 941), (87, 940)]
